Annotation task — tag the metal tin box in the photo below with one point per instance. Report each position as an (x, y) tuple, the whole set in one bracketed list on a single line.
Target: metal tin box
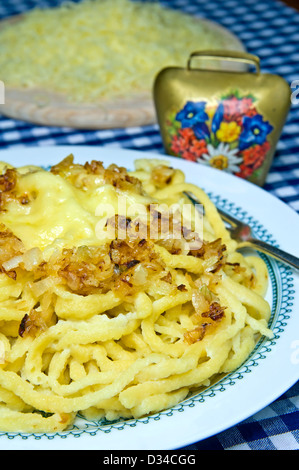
[(230, 119)]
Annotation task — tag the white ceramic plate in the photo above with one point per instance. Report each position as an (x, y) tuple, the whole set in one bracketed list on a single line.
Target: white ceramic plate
[(271, 369)]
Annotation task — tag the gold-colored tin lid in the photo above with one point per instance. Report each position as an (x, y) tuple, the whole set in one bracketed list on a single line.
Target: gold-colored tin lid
[(230, 119)]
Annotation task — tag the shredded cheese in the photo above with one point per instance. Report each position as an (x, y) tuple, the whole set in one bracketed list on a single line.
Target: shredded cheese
[(2, 352), (98, 48)]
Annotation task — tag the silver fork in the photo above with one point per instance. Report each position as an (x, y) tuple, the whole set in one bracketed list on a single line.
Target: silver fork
[(242, 233)]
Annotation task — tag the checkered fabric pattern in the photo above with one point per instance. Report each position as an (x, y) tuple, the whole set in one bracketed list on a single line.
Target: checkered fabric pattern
[(269, 29)]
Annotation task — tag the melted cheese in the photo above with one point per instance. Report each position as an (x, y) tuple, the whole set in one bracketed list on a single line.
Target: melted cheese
[(98, 48), (61, 215)]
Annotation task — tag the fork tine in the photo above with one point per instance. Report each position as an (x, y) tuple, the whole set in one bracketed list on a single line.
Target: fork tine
[(226, 217), (242, 231), (229, 218)]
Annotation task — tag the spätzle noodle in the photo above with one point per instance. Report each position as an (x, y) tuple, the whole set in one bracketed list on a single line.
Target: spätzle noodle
[(113, 312)]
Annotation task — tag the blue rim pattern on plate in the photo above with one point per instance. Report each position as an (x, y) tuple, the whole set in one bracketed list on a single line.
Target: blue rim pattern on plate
[(282, 296)]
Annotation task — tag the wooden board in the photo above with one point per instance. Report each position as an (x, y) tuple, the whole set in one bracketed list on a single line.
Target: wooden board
[(50, 109), (53, 109)]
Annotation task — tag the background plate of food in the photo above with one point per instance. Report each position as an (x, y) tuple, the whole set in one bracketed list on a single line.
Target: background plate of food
[(91, 64)]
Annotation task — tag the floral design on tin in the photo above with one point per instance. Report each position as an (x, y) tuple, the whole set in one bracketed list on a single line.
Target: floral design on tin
[(230, 135)]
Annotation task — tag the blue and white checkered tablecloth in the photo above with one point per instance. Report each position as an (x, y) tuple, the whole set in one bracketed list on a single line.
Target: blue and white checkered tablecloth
[(269, 29)]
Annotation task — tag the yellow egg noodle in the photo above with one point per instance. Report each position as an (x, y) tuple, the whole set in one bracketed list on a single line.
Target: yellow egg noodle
[(109, 320), (98, 48)]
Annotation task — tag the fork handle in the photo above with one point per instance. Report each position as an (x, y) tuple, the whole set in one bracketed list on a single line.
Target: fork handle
[(276, 253)]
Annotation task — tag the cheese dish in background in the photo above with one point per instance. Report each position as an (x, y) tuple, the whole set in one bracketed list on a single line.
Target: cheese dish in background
[(98, 48)]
